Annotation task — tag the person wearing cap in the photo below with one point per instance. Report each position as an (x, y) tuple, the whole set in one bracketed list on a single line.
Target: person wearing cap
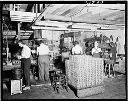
[(25, 63), (77, 49), (43, 61)]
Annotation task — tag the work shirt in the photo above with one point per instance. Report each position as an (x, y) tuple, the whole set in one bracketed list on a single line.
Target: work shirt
[(77, 49), (96, 50), (26, 52), (43, 49)]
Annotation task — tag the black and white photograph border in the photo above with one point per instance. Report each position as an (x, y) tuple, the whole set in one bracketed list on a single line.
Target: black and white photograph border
[(63, 50)]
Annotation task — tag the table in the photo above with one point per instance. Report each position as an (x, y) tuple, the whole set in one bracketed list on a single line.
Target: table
[(9, 67)]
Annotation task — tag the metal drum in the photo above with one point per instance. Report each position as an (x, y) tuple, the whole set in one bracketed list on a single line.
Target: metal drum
[(17, 73)]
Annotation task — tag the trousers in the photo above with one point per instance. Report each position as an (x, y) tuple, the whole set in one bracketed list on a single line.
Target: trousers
[(25, 65), (43, 63)]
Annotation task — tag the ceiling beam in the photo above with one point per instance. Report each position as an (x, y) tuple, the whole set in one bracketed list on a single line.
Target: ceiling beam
[(48, 28), (60, 29), (80, 20), (52, 23)]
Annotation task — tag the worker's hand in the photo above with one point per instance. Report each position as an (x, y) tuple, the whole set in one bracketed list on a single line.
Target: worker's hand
[(19, 57)]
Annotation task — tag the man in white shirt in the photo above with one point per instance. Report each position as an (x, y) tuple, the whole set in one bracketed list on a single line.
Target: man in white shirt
[(43, 61), (25, 63), (77, 49)]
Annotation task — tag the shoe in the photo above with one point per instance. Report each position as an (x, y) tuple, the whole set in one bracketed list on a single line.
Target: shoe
[(26, 88)]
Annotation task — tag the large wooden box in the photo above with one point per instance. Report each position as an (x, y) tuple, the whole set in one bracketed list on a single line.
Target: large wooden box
[(84, 71)]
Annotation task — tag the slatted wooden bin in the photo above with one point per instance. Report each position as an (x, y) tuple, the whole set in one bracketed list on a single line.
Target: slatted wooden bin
[(85, 74)]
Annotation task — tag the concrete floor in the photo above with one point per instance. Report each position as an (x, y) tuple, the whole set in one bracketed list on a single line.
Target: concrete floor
[(114, 89)]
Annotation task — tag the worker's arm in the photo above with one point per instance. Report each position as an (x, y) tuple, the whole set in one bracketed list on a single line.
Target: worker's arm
[(73, 51), (92, 51), (37, 52)]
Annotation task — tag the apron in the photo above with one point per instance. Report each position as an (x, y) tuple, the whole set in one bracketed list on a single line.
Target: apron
[(97, 55)]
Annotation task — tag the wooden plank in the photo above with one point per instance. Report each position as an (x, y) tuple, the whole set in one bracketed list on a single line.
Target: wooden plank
[(52, 23), (22, 16)]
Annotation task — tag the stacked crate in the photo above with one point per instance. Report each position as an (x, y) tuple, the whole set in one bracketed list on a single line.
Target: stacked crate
[(85, 73)]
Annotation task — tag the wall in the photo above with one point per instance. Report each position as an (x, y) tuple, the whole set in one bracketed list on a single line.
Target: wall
[(55, 35), (52, 35)]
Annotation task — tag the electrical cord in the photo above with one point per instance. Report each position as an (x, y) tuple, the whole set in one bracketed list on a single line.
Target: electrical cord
[(33, 21)]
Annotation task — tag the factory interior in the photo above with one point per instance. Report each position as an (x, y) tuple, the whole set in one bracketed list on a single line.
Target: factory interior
[(86, 51)]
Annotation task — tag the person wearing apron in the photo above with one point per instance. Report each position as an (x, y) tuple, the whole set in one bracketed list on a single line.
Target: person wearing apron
[(96, 50), (77, 49)]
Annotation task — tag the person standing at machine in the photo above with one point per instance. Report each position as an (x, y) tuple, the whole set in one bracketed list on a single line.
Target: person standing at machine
[(96, 50), (77, 49), (43, 61), (113, 50), (25, 63)]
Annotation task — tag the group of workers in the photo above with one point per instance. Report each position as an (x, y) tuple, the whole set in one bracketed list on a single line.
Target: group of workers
[(43, 63), (43, 53), (96, 50)]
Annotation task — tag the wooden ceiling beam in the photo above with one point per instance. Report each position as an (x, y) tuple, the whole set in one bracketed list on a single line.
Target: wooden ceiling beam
[(79, 20), (52, 23)]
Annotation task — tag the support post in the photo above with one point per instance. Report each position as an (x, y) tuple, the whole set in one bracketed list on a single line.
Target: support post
[(18, 30)]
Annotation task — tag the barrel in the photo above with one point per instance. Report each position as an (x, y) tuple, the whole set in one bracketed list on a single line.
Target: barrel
[(17, 74)]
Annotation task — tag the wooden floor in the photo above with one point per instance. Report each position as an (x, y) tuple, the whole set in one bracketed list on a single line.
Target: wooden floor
[(114, 89)]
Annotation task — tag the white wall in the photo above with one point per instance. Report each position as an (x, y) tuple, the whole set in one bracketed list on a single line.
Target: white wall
[(51, 35)]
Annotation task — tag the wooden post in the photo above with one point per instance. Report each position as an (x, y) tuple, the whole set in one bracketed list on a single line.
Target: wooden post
[(18, 30)]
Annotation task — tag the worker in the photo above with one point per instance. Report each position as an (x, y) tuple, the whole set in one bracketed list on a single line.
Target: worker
[(43, 61), (112, 51), (25, 63), (77, 49), (96, 50)]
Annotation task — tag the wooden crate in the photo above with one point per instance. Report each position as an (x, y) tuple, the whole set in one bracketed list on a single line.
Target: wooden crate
[(84, 71), (90, 91)]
